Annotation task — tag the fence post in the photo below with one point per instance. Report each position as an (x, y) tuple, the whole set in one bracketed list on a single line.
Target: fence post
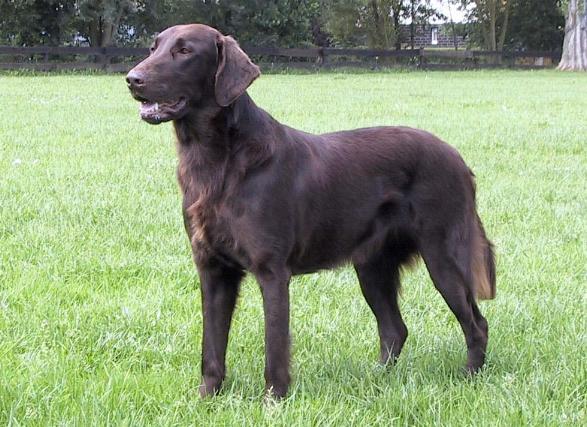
[(103, 58), (321, 57), (421, 60)]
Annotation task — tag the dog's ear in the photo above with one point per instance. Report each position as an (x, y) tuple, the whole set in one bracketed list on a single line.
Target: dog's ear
[(235, 71)]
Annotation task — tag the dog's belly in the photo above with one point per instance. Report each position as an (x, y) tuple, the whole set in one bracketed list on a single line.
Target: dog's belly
[(352, 237), (318, 257)]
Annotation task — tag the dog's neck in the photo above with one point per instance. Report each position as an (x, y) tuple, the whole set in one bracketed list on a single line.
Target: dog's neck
[(213, 141), (215, 127)]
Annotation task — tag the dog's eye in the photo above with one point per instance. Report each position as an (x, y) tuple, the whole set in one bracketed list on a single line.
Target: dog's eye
[(152, 49), (184, 51)]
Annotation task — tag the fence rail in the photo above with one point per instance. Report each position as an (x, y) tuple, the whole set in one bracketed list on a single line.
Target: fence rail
[(120, 59)]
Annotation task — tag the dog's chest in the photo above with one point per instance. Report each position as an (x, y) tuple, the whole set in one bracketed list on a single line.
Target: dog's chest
[(215, 215), (209, 227), (201, 206)]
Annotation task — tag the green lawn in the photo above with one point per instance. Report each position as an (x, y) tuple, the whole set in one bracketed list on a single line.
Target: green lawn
[(99, 302)]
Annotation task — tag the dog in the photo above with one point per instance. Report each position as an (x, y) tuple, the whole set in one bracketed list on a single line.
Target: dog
[(262, 197)]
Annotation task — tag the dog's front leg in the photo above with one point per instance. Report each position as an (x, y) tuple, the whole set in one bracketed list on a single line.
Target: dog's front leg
[(274, 283), (219, 286)]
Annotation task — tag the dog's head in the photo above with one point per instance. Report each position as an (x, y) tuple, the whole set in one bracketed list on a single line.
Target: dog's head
[(189, 66)]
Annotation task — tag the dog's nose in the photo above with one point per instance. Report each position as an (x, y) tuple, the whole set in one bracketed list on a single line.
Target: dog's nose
[(135, 79)]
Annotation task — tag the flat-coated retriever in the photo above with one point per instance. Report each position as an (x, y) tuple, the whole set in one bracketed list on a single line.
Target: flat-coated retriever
[(262, 197)]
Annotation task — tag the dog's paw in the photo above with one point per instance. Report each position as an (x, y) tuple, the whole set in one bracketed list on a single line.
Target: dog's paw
[(210, 387)]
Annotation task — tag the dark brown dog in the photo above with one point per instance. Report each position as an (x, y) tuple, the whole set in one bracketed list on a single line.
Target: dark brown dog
[(259, 196)]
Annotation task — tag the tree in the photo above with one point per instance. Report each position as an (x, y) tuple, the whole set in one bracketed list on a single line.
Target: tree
[(259, 22), (100, 23), (381, 19), (575, 43), (363, 22), (34, 22), (344, 22), (99, 20), (148, 17), (492, 17), (535, 25), (57, 22), (266, 22), (375, 23)]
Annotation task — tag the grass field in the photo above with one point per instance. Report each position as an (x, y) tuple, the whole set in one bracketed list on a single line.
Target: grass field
[(99, 302)]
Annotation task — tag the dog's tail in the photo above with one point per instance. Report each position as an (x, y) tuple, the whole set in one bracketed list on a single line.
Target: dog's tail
[(482, 261)]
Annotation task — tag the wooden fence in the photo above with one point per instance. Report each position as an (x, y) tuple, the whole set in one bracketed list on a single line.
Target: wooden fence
[(121, 59)]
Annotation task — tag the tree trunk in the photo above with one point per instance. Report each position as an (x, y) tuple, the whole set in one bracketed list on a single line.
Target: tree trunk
[(575, 45), (493, 25), (396, 10), (95, 32), (504, 26), (413, 23), (377, 23), (452, 24), (495, 19)]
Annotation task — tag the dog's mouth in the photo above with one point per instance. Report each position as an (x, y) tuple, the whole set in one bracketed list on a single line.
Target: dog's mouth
[(154, 112)]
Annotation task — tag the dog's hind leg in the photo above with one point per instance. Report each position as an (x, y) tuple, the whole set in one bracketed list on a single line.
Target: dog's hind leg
[(379, 278), (444, 259)]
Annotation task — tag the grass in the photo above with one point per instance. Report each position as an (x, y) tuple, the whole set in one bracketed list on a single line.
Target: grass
[(99, 304)]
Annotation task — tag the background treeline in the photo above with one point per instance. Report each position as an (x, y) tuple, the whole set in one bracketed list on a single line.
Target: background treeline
[(490, 24)]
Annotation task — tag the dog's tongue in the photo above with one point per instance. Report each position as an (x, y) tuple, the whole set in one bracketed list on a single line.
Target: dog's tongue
[(149, 108)]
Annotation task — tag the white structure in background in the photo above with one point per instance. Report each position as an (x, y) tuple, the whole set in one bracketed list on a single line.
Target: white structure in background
[(434, 36)]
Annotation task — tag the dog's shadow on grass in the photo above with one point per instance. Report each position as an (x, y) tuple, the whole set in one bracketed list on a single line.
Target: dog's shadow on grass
[(355, 378), (426, 361)]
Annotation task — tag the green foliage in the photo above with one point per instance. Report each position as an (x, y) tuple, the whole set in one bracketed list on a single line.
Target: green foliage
[(343, 21), (99, 20), (107, 22), (374, 23), (55, 22), (268, 22), (258, 22), (262, 22), (285, 23), (530, 24), (381, 22), (536, 25), (35, 22), (152, 16), (489, 19)]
